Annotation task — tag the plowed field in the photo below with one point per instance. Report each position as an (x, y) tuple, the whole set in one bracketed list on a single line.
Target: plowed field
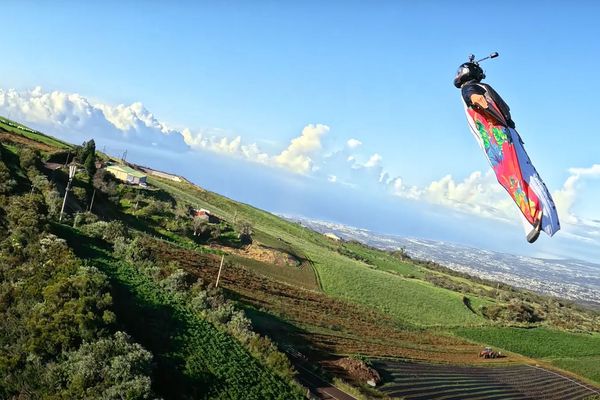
[(420, 381)]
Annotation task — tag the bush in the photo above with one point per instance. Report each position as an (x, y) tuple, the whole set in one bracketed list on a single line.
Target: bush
[(515, 311), (74, 308), (7, 183), (26, 216), (30, 159), (134, 251), (112, 231), (155, 207), (109, 368)]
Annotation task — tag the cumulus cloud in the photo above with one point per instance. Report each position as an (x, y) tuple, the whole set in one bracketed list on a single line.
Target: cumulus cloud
[(565, 197), (353, 143), (477, 194), (297, 156), (77, 118), (480, 194), (374, 161), (73, 116)]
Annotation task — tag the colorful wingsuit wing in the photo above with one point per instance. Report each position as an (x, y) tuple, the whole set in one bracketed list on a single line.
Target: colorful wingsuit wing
[(490, 122)]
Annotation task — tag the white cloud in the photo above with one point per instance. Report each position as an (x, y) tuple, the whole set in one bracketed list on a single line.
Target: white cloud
[(374, 161), (297, 156), (76, 118), (566, 196), (332, 178), (477, 194), (481, 195), (353, 143), (384, 177)]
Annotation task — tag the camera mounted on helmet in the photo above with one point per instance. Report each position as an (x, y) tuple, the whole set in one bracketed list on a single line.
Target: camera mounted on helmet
[(471, 71)]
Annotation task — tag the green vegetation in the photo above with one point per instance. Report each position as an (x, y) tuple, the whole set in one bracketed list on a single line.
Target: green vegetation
[(535, 342), (13, 127), (577, 352), (132, 282), (67, 322), (153, 303), (583, 366), (411, 301), (396, 263)]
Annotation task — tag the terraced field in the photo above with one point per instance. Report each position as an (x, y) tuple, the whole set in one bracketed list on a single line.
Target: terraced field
[(419, 381)]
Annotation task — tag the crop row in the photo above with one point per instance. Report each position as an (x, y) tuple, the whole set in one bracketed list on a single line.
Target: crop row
[(193, 356), (417, 381)]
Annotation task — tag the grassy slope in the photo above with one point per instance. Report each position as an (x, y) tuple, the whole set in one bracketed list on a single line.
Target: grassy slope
[(409, 300), (16, 128), (386, 286)]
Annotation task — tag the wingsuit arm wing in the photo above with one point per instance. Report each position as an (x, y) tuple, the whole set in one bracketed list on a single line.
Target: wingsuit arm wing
[(488, 102)]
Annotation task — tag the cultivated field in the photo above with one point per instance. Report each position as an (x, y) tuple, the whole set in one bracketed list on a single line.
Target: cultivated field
[(417, 381), (577, 352), (320, 322)]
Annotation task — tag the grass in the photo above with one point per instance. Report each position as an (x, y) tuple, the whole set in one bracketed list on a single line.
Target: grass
[(381, 286), (409, 300), (16, 128), (535, 342), (302, 276), (584, 366), (381, 260)]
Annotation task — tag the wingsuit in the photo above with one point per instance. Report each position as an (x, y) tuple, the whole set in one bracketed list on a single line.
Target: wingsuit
[(492, 125)]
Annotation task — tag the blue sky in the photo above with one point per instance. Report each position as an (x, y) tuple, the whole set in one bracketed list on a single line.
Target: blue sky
[(344, 110)]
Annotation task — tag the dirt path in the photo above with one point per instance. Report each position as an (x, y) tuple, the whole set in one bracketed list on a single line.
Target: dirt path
[(319, 388)]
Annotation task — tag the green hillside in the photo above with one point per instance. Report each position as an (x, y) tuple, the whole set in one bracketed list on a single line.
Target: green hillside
[(283, 288)]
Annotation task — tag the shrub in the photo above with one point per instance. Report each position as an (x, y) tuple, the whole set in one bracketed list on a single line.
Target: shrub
[(26, 215), (30, 159), (112, 231), (7, 183), (109, 368)]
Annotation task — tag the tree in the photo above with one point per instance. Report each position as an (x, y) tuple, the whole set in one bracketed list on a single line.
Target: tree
[(86, 155), (90, 164)]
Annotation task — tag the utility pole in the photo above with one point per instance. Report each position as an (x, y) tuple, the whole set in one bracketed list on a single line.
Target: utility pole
[(124, 156), (92, 202), (68, 156), (220, 268), (72, 170)]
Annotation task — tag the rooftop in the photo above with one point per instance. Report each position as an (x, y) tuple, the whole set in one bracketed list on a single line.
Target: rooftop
[(127, 170)]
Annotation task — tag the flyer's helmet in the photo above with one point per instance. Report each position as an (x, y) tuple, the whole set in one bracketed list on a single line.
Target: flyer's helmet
[(469, 71)]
